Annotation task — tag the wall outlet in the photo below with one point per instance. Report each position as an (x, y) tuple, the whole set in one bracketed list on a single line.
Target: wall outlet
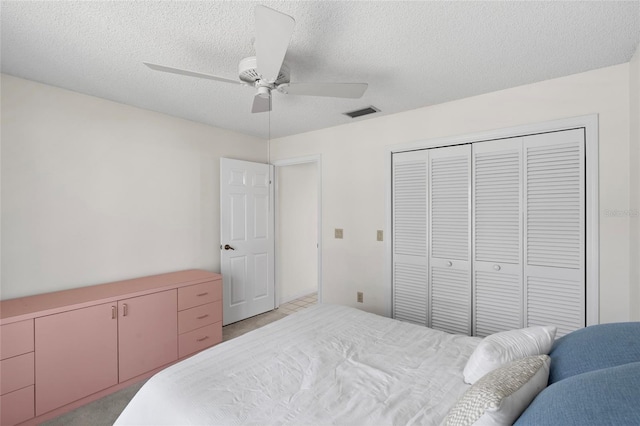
[(379, 235), (360, 298), (339, 233)]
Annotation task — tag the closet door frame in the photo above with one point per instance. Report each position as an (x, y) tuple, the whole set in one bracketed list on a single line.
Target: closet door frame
[(589, 124)]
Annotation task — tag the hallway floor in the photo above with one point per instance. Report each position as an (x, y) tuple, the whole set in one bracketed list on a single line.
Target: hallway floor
[(241, 327), (298, 304)]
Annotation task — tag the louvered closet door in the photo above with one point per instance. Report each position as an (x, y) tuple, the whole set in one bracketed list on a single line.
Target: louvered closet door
[(450, 239), (410, 291), (554, 231), (497, 236)]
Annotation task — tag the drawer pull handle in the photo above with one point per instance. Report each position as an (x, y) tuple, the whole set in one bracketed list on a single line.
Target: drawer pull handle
[(202, 294), (113, 312), (202, 316), (125, 310), (202, 339)]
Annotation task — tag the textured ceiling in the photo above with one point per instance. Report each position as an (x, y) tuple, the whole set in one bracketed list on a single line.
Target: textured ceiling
[(412, 54)]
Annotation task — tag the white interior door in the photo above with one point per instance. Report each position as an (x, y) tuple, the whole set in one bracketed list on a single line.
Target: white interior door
[(497, 236), (246, 239), (554, 231), (450, 239), (410, 239)]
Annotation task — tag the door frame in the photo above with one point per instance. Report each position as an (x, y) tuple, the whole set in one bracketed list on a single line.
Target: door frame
[(592, 202), (317, 159)]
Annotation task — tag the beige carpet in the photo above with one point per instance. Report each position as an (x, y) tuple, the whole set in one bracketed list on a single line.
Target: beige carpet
[(105, 411)]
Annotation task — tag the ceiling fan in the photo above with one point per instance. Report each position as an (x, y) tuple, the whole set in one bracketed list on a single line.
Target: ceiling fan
[(266, 71)]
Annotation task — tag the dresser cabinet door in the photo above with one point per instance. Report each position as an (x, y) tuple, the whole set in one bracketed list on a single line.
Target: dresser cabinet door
[(147, 332), (76, 355)]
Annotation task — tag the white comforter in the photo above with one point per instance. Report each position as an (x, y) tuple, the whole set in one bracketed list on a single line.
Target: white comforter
[(325, 365)]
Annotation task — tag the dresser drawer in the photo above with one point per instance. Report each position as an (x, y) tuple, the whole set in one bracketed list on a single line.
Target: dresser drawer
[(17, 406), (17, 373), (199, 294), (199, 339), (16, 339), (197, 317)]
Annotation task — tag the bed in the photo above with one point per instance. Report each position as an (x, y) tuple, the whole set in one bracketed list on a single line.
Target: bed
[(333, 364)]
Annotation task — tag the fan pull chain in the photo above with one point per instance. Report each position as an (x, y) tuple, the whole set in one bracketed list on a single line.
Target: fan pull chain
[(269, 139)]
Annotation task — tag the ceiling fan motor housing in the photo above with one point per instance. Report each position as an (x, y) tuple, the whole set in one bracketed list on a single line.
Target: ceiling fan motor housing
[(248, 73)]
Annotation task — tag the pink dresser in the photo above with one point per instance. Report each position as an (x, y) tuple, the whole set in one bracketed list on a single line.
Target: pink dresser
[(61, 350)]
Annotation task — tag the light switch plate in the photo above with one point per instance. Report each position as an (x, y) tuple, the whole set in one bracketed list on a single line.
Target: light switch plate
[(379, 235), (339, 233)]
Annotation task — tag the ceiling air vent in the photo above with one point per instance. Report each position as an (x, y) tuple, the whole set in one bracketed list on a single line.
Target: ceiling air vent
[(361, 112)]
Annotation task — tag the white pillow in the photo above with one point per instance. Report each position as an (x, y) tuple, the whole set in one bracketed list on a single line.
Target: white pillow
[(501, 348), (501, 396)]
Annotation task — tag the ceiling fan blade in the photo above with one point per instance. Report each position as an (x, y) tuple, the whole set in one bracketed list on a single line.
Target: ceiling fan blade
[(261, 104), (335, 90), (273, 32), (191, 73)]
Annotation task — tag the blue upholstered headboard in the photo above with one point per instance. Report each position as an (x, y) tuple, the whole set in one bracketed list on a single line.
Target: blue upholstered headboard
[(594, 379)]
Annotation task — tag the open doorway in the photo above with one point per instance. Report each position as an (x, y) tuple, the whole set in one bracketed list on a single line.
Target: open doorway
[(298, 231)]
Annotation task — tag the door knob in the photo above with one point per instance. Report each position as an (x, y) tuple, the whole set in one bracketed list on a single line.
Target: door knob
[(228, 247)]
